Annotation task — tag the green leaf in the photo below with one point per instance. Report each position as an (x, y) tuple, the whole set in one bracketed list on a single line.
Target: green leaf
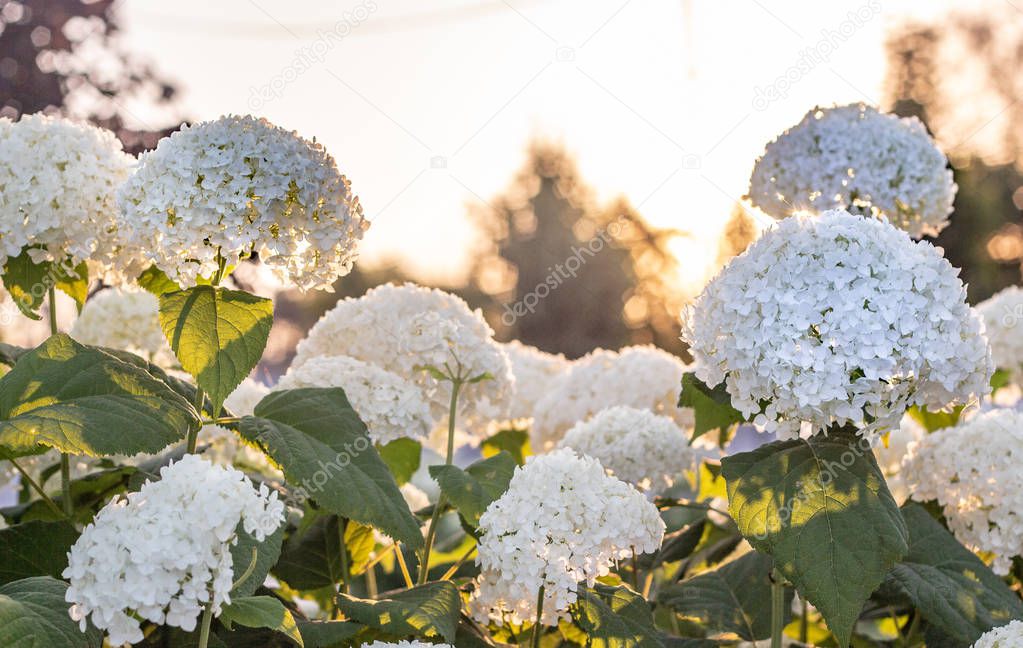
[(81, 400), (472, 490), (156, 281), (311, 556), (428, 610), (74, 283), (266, 552), (712, 408), (261, 612), (952, 588), (327, 634), (218, 335), (33, 614), (516, 442), (27, 282), (9, 353), (359, 542), (35, 549), (402, 456), (319, 442), (615, 617), (735, 597), (676, 546), (821, 508), (932, 421)]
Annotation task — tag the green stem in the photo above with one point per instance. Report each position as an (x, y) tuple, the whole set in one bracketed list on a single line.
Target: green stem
[(193, 434), (248, 570), (635, 571), (538, 626), (777, 608), (346, 573), (37, 488), (65, 459), (804, 622), (431, 533), (207, 619)]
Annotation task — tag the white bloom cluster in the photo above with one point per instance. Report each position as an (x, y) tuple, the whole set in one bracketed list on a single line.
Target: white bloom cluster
[(637, 446), (241, 185), (891, 453), (1003, 327), (562, 521), (163, 553), (127, 320), (972, 470), (838, 319), (859, 159), (404, 328), (640, 376), (1006, 636), (59, 182), (535, 373), (392, 407), (405, 644)]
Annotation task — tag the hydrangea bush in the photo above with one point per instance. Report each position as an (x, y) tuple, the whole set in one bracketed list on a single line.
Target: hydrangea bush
[(168, 496)]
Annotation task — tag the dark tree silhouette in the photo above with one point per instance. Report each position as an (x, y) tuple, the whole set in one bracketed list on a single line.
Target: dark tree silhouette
[(567, 275), (67, 56), (963, 77)]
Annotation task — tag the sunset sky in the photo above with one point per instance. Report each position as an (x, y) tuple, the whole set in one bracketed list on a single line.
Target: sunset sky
[(428, 106)]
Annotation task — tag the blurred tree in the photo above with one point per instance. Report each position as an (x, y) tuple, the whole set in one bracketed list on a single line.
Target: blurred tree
[(67, 56), (566, 275), (740, 230), (932, 67)]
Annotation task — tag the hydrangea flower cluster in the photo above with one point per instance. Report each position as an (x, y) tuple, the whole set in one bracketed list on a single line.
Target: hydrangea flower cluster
[(127, 320), (404, 328), (1006, 636), (1003, 327), (637, 446), (838, 319), (640, 376), (562, 521), (535, 373), (163, 553), (390, 406), (891, 453), (59, 181), (239, 185), (856, 158), (972, 470)]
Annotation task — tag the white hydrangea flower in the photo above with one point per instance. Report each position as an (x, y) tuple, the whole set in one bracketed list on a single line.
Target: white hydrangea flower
[(561, 522), (392, 407), (59, 180), (124, 319), (973, 471), (406, 644), (164, 552), (856, 158), (643, 377), (635, 445), (242, 185), (891, 453), (404, 328), (1006, 636), (838, 319), (1003, 327), (535, 373)]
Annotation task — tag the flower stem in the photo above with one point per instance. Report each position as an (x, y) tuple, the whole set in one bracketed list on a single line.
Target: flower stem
[(65, 459), (193, 434), (804, 623), (207, 619), (538, 626), (400, 557), (37, 488), (346, 573), (777, 608), (431, 533)]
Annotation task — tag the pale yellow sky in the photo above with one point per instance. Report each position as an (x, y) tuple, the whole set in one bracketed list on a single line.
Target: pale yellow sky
[(428, 105)]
